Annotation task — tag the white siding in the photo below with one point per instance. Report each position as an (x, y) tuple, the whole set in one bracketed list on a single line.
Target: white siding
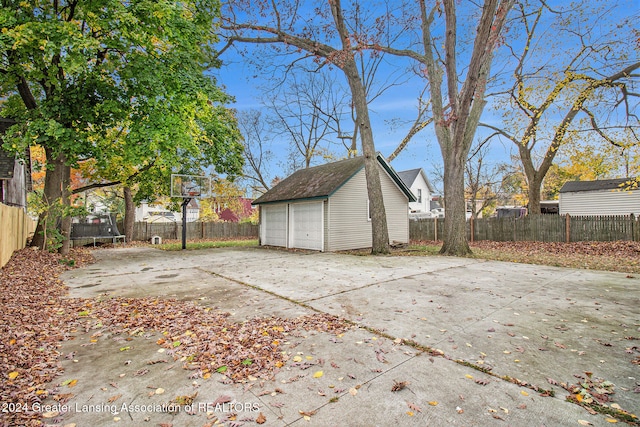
[(349, 226), (396, 207), (349, 223), (424, 204), (273, 225), (608, 202)]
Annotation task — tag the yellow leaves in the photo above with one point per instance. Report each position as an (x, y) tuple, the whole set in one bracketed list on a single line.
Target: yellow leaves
[(318, 374), (433, 403), (524, 393), (12, 341), (611, 420), (297, 359), (70, 383), (13, 375)]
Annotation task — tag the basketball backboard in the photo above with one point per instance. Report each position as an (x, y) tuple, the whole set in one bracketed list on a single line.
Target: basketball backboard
[(189, 186)]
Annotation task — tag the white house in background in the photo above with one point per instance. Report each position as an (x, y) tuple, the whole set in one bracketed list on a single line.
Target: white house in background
[(420, 186), (326, 207), (150, 213), (193, 211), (602, 197)]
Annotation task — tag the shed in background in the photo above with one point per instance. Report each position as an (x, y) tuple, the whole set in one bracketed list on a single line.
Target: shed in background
[(602, 197)]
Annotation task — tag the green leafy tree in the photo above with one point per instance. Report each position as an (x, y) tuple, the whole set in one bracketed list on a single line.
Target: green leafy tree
[(120, 83)]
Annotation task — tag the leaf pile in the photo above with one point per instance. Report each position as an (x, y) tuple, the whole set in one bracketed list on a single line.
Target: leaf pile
[(210, 340), (622, 256), (33, 323), (37, 316)]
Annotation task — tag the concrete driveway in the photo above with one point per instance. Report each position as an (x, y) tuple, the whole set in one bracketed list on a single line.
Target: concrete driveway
[(543, 326)]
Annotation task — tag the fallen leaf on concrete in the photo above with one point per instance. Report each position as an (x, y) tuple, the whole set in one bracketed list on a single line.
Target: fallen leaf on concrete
[(307, 413), (584, 423), (261, 419), (414, 407), (185, 399), (399, 385), (222, 399), (114, 398)]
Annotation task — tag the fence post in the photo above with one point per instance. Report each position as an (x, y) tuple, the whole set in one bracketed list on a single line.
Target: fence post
[(435, 228), (567, 228), (633, 226)]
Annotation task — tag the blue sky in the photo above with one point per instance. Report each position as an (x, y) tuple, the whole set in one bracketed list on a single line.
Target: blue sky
[(242, 81)]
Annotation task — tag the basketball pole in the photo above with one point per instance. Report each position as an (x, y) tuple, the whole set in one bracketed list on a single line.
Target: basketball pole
[(185, 202)]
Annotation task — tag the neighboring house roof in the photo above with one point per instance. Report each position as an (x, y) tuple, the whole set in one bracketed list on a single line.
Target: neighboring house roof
[(324, 180), (599, 185), (409, 177)]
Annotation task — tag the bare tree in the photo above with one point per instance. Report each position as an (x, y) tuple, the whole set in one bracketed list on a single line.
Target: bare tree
[(331, 43), (307, 111), (456, 107), (483, 181), (257, 155)]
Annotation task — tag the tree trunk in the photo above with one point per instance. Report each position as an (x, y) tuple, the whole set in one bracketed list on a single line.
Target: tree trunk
[(65, 223), (535, 184), (455, 233), (129, 214), (379, 228), (53, 189)]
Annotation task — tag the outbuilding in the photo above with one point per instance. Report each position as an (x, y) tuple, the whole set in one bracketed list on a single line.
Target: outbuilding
[(601, 197), (326, 208)]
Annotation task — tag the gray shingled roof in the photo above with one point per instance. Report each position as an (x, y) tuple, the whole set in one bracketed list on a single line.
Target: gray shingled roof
[(599, 185), (321, 181), (409, 176)]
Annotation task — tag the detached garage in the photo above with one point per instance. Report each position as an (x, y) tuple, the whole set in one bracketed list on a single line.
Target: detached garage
[(602, 197), (326, 208)]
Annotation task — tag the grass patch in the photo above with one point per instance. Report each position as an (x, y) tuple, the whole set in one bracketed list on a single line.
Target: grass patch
[(207, 244)]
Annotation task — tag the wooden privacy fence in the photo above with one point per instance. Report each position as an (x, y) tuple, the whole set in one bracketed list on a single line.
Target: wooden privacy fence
[(195, 230), (537, 228), (15, 229)]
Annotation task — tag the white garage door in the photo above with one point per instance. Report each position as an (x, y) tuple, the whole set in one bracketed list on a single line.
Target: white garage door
[(273, 225), (306, 225)]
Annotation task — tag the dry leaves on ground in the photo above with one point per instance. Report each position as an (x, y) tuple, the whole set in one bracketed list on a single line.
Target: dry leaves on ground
[(622, 256), (37, 317)]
